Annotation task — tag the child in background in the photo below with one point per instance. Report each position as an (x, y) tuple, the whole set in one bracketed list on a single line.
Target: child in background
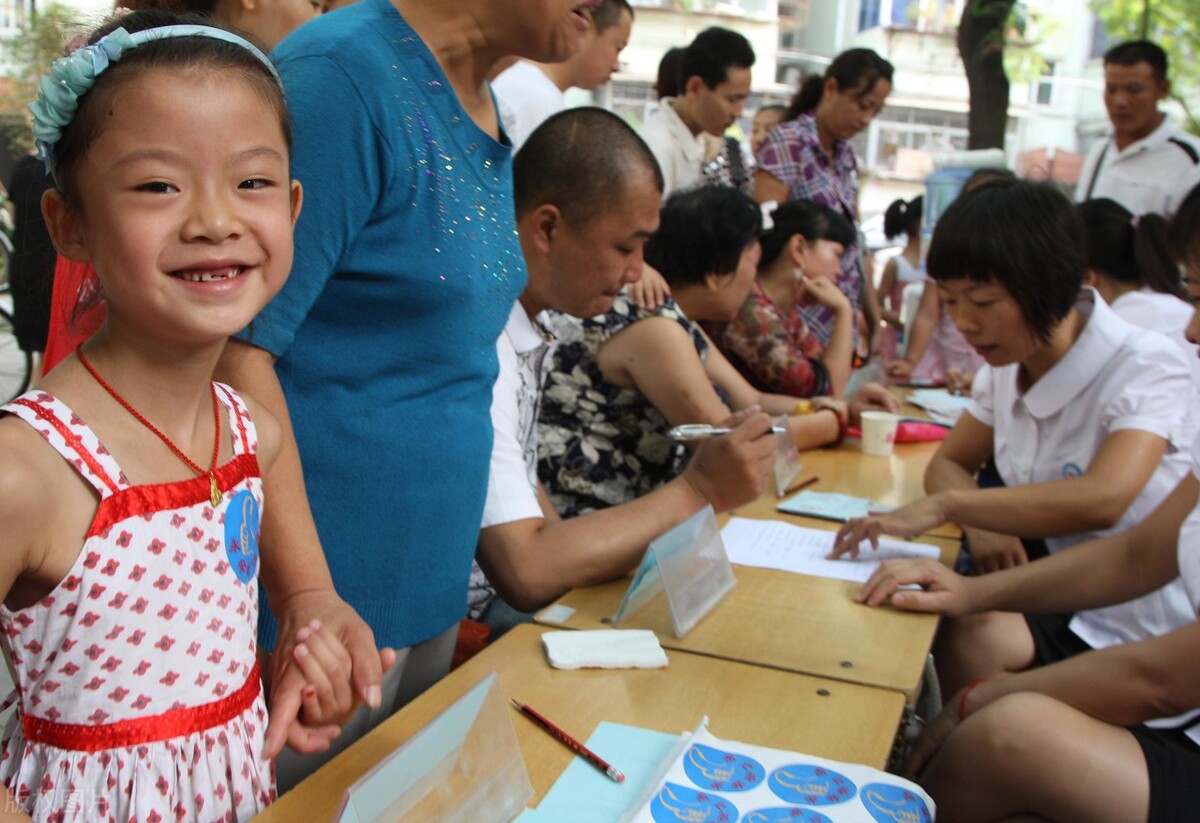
[(765, 119), (768, 339), (1130, 265), (131, 483), (901, 217)]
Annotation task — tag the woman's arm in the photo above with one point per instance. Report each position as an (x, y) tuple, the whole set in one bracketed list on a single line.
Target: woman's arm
[(1093, 501), (1101, 572), (657, 357), (838, 357)]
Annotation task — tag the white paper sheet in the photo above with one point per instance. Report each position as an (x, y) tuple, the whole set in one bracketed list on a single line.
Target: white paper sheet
[(773, 544)]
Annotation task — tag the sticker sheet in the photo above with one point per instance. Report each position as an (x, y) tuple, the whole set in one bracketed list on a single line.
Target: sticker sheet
[(718, 781)]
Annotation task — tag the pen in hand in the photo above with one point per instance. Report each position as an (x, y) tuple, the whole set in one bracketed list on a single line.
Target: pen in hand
[(703, 431), (570, 742)]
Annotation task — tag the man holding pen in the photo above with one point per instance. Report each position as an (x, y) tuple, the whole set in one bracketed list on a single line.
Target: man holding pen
[(587, 193)]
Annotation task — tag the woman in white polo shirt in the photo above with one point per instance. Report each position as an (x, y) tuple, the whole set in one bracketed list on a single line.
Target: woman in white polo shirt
[(1079, 739), (1086, 417)]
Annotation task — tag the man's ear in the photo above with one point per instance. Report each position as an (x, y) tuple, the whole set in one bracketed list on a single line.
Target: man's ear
[(65, 228), (543, 223), (1164, 88), (693, 85), (1089, 277)]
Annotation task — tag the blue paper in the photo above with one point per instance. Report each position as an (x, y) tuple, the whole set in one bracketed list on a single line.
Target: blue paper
[(830, 505), (583, 795)]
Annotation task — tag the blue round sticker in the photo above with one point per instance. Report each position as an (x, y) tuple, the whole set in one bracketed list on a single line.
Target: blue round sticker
[(785, 814), (241, 535), (721, 771), (811, 785), (888, 803), (675, 803)]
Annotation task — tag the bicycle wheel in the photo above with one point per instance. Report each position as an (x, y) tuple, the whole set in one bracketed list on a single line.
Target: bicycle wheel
[(16, 366)]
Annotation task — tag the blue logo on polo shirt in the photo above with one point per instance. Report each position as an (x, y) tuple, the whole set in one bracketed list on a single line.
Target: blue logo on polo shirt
[(1072, 470), (241, 535)]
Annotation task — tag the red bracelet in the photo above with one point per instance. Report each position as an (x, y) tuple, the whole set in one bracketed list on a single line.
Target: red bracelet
[(962, 701)]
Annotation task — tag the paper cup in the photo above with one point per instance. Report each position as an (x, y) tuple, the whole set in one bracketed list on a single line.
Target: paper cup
[(879, 432)]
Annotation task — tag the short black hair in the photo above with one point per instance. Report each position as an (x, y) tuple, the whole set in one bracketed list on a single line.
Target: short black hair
[(1132, 52), (609, 14), (812, 221), (702, 231), (1183, 234), (581, 161), (1128, 248), (1022, 235), (712, 54)]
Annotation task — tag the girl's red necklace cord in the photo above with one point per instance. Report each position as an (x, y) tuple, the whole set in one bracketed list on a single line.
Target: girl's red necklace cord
[(214, 491)]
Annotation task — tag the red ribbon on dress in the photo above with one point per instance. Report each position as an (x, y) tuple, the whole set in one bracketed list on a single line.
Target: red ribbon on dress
[(125, 733)]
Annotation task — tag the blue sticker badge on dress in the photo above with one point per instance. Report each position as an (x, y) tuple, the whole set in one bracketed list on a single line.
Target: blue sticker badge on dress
[(241, 535), (785, 814), (888, 803), (675, 803), (811, 785), (720, 771)]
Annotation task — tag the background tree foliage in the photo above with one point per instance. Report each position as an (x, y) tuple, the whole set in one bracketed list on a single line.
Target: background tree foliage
[(1174, 25), (27, 54)]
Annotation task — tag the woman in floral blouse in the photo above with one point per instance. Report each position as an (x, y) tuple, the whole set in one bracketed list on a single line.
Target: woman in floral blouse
[(768, 339)]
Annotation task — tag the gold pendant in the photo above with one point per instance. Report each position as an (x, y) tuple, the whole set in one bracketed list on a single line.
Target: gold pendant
[(214, 493)]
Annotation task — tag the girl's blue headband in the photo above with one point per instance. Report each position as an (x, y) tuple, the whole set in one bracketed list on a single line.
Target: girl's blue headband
[(72, 76)]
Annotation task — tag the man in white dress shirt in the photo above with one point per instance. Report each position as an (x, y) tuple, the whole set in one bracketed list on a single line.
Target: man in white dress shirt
[(1148, 163), (715, 82), (587, 199)]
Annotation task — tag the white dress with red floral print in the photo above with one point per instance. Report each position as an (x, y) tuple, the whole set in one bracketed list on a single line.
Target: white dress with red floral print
[(139, 697)]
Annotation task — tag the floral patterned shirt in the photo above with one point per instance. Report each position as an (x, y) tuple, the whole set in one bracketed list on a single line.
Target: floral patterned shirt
[(599, 444), (775, 349), (793, 155)]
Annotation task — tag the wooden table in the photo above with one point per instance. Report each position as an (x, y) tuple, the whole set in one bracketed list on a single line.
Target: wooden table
[(786, 621), (894, 480), (750, 704)]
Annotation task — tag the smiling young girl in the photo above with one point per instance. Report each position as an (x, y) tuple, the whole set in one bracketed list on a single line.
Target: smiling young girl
[(131, 483), (1086, 416)]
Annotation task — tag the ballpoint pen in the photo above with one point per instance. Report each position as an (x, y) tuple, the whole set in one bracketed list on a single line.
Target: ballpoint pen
[(703, 431)]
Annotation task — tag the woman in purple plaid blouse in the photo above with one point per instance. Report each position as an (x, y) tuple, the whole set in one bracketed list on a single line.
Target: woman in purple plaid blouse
[(809, 157)]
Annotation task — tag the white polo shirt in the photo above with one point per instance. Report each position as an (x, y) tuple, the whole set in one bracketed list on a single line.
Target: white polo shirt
[(1163, 313), (524, 350), (526, 98), (1153, 174), (680, 153), (1114, 377)]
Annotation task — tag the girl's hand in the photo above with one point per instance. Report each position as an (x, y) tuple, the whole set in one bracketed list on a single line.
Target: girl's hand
[(328, 696), (824, 292), (908, 521), (650, 291), (959, 382), (943, 591), (900, 370)]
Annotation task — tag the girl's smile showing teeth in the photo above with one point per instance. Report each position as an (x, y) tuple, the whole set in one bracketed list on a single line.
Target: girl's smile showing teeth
[(209, 275)]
